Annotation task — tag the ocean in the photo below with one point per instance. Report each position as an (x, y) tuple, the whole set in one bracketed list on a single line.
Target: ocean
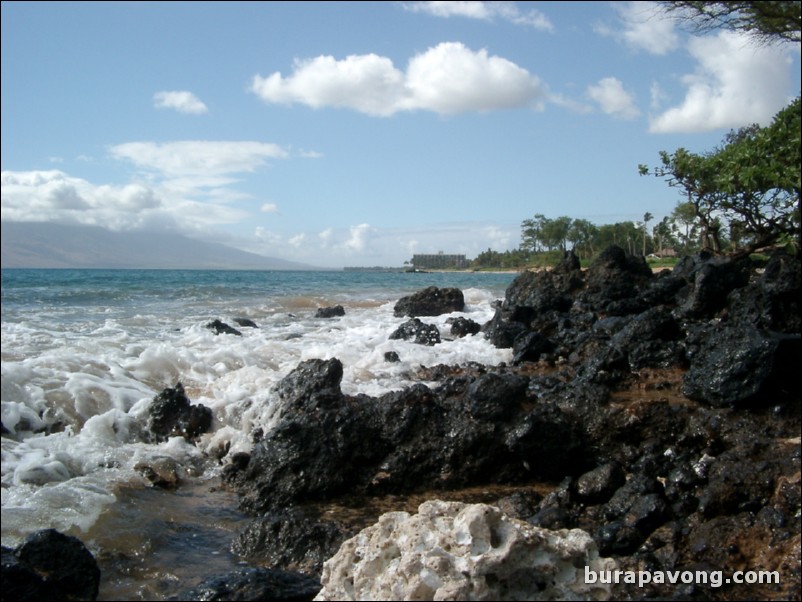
[(84, 352)]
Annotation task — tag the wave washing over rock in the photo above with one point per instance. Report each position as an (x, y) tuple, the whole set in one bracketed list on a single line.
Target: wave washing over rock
[(456, 551)]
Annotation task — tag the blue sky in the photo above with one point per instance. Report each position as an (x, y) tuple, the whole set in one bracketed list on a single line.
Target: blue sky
[(359, 133)]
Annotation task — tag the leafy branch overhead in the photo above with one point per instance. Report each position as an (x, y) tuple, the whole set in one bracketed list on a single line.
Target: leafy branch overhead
[(751, 183), (767, 21)]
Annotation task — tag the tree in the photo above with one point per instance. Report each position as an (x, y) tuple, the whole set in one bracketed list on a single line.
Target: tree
[(683, 220), (622, 234), (532, 233), (582, 234), (647, 217), (663, 235), (767, 21), (752, 182), (555, 233)]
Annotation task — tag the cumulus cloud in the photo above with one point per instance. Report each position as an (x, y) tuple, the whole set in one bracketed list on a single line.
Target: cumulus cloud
[(485, 11), (182, 101), (736, 83), (643, 26), (613, 99), (269, 208), (447, 79)]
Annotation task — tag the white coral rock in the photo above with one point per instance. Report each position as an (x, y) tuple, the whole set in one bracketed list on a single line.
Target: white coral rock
[(456, 551)]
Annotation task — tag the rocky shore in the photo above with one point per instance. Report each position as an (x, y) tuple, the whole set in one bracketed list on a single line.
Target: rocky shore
[(656, 414)]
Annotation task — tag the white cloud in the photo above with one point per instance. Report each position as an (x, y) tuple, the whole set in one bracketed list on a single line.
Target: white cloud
[(645, 26), (736, 83), (613, 99), (359, 238), (198, 158), (485, 11), (657, 95), (447, 79), (182, 101), (269, 208), (298, 240), (267, 239), (54, 196)]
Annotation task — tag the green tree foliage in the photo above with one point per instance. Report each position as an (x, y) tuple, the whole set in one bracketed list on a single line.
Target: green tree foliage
[(582, 235), (541, 235), (623, 234), (767, 21), (751, 183)]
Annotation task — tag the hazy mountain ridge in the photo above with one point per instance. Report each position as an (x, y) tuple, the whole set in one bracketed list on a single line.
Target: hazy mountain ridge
[(45, 245)]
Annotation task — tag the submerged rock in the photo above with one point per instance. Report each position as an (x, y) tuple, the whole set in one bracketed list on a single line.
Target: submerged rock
[(246, 323), (220, 327), (456, 551)]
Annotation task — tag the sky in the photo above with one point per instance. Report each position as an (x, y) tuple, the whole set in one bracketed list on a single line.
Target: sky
[(360, 133)]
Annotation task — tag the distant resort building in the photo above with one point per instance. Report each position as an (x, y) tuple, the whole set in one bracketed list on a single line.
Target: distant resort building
[(441, 261)]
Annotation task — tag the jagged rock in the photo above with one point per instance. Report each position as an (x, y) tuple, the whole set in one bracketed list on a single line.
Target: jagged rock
[(773, 301), (613, 281), (49, 565), (736, 365), (417, 332), (391, 357), (172, 415), (431, 301), (496, 397), (599, 484), (530, 347), (290, 540), (709, 483), (469, 430), (710, 280), (330, 312), (255, 584), (222, 328), (455, 551), (462, 327)]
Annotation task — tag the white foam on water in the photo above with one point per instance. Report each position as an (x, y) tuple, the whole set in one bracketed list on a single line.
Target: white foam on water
[(75, 396)]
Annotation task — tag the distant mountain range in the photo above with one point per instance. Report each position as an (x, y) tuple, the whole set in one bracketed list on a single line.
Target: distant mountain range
[(43, 245)]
